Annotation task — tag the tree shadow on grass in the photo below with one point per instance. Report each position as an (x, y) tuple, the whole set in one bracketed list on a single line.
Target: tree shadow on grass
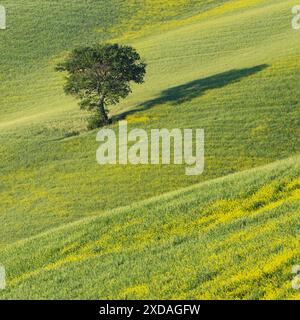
[(194, 89)]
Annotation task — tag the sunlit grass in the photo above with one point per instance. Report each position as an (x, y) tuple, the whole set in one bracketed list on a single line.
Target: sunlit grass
[(230, 67), (187, 244)]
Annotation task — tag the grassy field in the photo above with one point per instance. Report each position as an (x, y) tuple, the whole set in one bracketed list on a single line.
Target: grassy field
[(190, 244), (230, 67)]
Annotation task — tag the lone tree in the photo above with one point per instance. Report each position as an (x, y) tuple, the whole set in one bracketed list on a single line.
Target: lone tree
[(101, 75)]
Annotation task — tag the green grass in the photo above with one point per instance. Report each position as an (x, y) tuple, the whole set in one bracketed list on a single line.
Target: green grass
[(191, 244), (39, 32), (211, 84), (230, 67)]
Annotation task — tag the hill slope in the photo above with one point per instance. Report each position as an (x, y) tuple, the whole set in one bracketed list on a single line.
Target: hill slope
[(86, 231), (232, 70), (38, 32), (232, 238)]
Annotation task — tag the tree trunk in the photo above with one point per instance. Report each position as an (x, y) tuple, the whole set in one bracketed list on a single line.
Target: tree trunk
[(103, 115)]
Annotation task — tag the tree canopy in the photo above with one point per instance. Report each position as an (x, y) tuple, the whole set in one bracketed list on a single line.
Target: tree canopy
[(101, 75)]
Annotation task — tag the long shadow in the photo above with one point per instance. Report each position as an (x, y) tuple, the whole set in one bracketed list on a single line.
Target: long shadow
[(194, 89)]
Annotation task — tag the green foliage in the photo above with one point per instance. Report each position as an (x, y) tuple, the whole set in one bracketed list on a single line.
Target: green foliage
[(101, 75), (95, 121)]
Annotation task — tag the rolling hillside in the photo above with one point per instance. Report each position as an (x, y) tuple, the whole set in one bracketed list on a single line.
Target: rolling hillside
[(230, 67), (191, 244)]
